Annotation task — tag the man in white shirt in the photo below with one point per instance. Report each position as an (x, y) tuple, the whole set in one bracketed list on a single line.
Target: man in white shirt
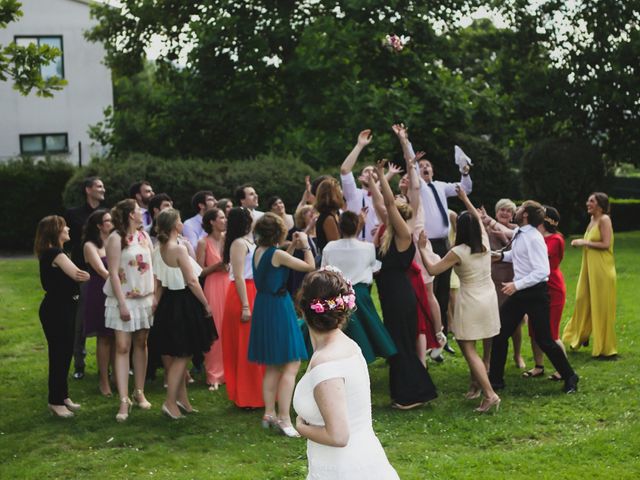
[(528, 294), (434, 194), (192, 229), (142, 192), (359, 198), (247, 197)]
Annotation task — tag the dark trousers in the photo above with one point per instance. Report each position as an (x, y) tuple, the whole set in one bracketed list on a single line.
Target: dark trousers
[(80, 340), (58, 324), (441, 283), (534, 302)]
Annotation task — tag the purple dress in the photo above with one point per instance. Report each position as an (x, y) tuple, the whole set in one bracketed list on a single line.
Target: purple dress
[(94, 305)]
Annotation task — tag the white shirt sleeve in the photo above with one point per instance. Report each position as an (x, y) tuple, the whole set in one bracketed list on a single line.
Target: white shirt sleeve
[(538, 259), (189, 233), (351, 192)]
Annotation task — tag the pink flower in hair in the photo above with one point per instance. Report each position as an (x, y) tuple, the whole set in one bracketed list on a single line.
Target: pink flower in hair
[(317, 307)]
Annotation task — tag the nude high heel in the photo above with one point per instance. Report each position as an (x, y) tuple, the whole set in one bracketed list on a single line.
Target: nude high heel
[(487, 405), (122, 417), (144, 403)]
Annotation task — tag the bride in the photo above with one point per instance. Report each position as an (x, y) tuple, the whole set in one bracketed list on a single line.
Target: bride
[(333, 398)]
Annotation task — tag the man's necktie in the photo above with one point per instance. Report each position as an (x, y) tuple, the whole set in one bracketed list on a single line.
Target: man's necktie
[(443, 212)]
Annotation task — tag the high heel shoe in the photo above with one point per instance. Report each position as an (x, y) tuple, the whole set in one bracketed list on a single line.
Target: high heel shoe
[(166, 411), (144, 403), (487, 405), (185, 409), (269, 421), (122, 417), (71, 405), (472, 394), (60, 413), (288, 430)]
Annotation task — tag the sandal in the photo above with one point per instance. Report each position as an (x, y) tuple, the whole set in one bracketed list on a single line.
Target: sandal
[(533, 373), (556, 377)]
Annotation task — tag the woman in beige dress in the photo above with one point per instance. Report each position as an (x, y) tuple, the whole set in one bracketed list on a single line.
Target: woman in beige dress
[(476, 315)]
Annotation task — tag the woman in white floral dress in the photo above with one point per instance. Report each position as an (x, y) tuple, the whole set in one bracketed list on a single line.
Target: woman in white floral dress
[(130, 300)]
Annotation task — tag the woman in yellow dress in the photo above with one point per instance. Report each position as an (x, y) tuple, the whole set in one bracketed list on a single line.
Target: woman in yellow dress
[(595, 308)]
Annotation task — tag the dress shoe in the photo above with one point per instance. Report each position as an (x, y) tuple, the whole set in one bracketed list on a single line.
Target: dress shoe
[(60, 411), (166, 411), (71, 405), (140, 400), (183, 407), (487, 405), (122, 417), (287, 430), (571, 384), (449, 349), (78, 375)]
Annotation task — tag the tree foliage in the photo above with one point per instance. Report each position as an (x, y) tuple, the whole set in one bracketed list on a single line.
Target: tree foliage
[(22, 64)]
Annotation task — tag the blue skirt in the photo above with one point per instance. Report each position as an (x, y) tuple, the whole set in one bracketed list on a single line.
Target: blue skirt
[(275, 336)]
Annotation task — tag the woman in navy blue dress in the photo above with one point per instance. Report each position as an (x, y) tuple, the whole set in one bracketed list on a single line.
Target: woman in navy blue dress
[(276, 340)]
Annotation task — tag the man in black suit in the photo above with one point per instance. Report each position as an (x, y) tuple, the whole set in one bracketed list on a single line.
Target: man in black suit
[(76, 217)]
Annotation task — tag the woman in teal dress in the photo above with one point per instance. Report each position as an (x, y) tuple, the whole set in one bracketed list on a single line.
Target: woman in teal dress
[(276, 340)]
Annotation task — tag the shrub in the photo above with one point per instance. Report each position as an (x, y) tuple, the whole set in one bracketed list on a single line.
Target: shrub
[(181, 178), (30, 191), (563, 173)]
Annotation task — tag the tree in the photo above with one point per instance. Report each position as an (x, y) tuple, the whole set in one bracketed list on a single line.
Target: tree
[(23, 64), (300, 76)]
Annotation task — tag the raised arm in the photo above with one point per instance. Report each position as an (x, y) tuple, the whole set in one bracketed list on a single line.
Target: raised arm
[(414, 194), (401, 229), (364, 138), (377, 200), (282, 258), (435, 268), (306, 195), (403, 137)]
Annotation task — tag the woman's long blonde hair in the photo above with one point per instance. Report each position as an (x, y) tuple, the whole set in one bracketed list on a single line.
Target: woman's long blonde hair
[(407, 214)]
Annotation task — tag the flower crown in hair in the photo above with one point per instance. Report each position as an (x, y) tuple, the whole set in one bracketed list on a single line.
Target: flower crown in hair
[(551, 221), (344, 302)]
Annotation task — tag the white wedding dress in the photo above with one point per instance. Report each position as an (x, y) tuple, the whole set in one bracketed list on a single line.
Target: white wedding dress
[(363, 457)]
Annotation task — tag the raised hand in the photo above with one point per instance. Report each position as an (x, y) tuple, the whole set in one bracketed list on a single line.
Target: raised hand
[(380, 165), (462, 195), (365, 137), (401, 131), (394, 170), (307, 183)]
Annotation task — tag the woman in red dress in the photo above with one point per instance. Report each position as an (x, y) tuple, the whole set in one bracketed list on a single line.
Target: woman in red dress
[(557, 288)]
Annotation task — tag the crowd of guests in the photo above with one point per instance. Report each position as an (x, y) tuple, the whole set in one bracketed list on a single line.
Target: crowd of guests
[(218, 291)]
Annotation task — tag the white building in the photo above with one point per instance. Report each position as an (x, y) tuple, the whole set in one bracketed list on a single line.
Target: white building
[(31, 125)]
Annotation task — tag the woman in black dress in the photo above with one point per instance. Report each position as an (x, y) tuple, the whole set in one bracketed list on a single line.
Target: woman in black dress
[(59, 278), (409, 381)]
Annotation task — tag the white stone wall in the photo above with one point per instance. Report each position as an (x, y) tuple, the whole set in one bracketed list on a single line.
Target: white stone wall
[(80, 103)]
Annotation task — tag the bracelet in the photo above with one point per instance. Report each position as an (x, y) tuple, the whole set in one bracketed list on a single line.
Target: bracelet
[(245, 307), (306, 249)]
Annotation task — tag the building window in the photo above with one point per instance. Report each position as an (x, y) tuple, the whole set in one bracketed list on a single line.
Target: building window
[(56, 67), (42, 144)]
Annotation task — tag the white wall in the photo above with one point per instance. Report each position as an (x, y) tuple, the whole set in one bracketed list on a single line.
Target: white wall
[(80, 103)]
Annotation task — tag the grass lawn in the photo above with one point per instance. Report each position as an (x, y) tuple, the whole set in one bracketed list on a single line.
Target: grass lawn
[(538, 433)]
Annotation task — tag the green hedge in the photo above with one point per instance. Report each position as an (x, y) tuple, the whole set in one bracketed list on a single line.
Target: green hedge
[(181, 178), (30, 191)]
